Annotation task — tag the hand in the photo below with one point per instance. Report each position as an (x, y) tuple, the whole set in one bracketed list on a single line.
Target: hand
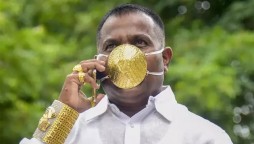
[(71, 93)]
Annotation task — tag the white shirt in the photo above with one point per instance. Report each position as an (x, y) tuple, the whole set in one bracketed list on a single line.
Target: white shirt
[(163, 121)]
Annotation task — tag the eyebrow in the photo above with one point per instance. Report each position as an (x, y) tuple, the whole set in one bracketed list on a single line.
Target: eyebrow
[(115, 40), (145, 36), (110, 40)]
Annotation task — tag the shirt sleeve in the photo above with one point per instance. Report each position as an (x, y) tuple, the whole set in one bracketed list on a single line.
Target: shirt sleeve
[(223, 138), (214, 137), (30, 141)]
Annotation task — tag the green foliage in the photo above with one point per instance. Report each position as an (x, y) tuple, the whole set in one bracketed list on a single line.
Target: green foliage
[(211, 72), (239, 16)]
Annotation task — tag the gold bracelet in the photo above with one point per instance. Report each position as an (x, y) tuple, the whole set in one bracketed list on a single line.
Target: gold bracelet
[(56, 123)]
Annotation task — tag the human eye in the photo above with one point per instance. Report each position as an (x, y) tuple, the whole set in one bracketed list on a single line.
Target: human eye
[(110, 47), (140, 43)]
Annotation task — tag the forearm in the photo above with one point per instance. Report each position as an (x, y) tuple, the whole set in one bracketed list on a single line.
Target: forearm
[(55, 125)]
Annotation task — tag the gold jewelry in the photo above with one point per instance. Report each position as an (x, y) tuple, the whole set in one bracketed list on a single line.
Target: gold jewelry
[(81, 76), (127, 66), (44, 121), (92, 101), (60, 119), (77, 68), (94, 91)]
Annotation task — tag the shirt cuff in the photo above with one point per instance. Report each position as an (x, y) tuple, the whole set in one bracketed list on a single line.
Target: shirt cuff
[(30, 141)]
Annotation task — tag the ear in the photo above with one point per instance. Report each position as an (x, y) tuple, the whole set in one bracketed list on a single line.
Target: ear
[(167, 55)]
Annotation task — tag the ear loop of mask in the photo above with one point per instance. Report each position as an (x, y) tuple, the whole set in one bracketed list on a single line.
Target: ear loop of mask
[(155, 73), (153, 53)]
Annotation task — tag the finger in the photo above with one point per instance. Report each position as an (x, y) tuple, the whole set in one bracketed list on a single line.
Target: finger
[(88, 101), (86, 104), (87, 79), (82, 94), (91, 81), (90, 73), (94, 60), (72, 78), (70, 88), (93, 64), (99, 97)]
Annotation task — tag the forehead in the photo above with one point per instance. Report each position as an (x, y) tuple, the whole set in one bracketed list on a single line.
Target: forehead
[(127, 24)]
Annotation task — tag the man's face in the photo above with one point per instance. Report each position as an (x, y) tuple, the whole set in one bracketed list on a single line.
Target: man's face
[(140, 30)]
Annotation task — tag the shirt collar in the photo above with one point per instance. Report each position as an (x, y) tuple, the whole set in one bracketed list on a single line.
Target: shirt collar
[(99, 109), (164, 103)]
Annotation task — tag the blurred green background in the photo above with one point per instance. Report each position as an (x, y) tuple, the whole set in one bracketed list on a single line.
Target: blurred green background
[(212, 70)]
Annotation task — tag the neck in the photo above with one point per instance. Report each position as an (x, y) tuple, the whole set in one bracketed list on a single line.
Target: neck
[(132, 105)]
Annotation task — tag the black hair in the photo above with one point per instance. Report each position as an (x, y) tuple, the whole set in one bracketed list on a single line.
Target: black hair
[(128, 8)]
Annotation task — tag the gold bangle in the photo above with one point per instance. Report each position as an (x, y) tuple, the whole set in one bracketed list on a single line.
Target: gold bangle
[(53, 127)]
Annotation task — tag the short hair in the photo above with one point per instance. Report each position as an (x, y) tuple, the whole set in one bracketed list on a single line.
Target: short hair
[(131, 8)]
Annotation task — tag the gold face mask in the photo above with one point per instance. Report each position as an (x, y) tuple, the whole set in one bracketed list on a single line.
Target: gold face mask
[(127, 66)]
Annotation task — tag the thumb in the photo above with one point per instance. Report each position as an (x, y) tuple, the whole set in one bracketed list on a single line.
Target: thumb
[(99, 97)]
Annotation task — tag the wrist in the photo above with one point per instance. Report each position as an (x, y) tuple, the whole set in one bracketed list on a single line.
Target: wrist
[(56, 123)]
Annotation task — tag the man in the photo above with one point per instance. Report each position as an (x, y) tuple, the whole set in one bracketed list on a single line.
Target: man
[(131, 112)]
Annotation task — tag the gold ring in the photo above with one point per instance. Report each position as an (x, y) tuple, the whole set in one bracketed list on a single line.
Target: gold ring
[(81, 76), (77, 68)]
